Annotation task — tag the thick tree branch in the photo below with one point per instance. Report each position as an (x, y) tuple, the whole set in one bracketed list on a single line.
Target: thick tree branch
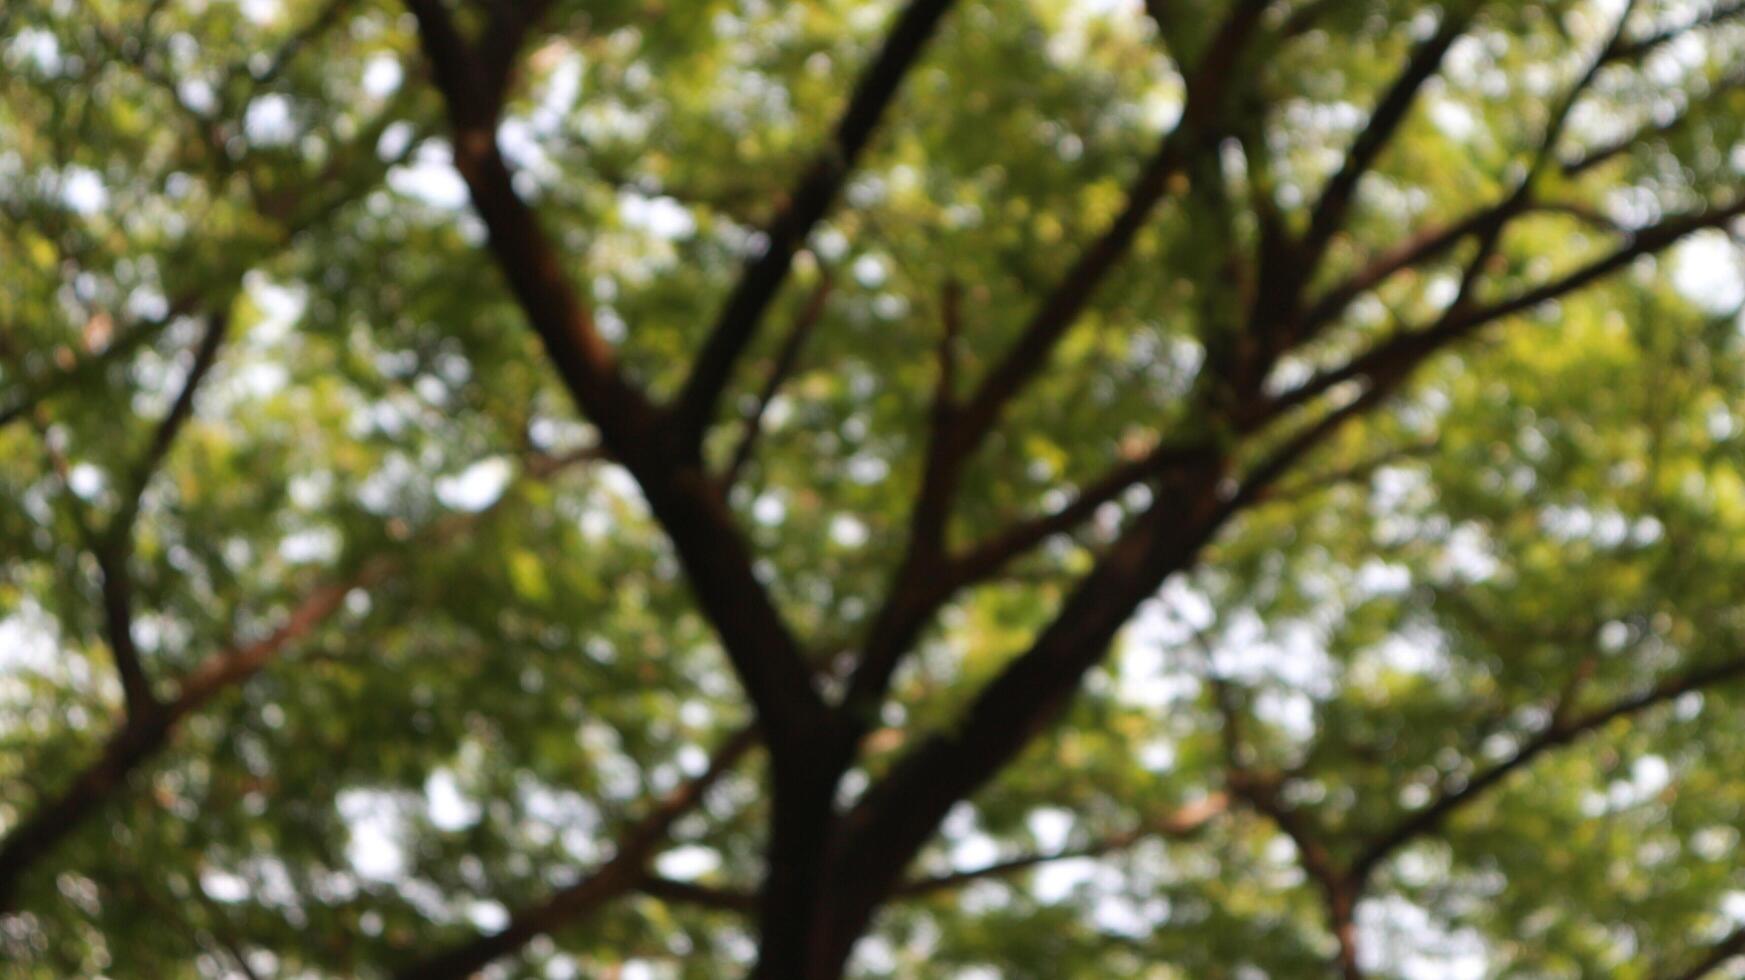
[(1331, 208), (1487, 225), (1354, 473), (33, 837), (584, 359), (31, 392), (960, 426), (28, 392), (143, 733), (511, 20), (141, 736), (673, 891), (786, 359), (897, 815), (1260, 791), (226, 669), (1339, 889), (900, 812), (1636, 48), (939, 468), (117, 590), (1408, 254), (763, 276), (1420, 248), (324, 20), (1180, 824), (1409, 348), (763, 652), (114, 549), (1263, 475), (948, 354), (624, 872), (987, 557), (1208, 86), (1606, 152), (1716, 956), (923, 584), (1558, 734), (168, 428), (1061, 309)]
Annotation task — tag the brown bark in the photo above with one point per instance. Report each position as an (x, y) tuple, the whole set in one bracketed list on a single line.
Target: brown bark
[(624, 872), (828, 872)]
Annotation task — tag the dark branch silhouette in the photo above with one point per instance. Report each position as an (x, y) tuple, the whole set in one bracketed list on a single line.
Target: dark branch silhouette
[(805, 207)]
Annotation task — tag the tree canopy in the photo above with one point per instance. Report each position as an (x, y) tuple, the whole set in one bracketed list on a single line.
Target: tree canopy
[(1025, 488)]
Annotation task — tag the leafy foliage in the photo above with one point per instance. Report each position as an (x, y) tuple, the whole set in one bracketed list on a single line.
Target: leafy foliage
[(1190, 490)]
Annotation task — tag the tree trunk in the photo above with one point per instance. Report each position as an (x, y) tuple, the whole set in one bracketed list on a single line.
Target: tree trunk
[(796, 909)]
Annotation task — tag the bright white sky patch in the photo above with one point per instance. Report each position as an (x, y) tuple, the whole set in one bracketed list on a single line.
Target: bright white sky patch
[(476, 487), (268, 121), (974, 851), (1123, 916), (1051, 826), (869, 271), (373, 819), (562, 87), (1145, 677), (448, 808), (1455, 120), (688, 863), (394, 140), (662, 217), (261, 11), (847, 531), (1055, 881), (489, 916), (262, 374), (563, 813), (1707, 268), (1400, 938), (382, 76), (28, 639), (430, 178), (1733, 907), (86, 481), (313, 545), (222, 886), (40, 47), (279, 306), (1377, 577), (768, 510), (1417, 654), (83, 190), (197, 94)]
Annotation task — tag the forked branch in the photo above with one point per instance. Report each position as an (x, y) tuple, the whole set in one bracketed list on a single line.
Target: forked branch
[(624, 872), (763, 276)]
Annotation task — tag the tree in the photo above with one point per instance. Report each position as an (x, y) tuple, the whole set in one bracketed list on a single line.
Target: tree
[(1228, 489)]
